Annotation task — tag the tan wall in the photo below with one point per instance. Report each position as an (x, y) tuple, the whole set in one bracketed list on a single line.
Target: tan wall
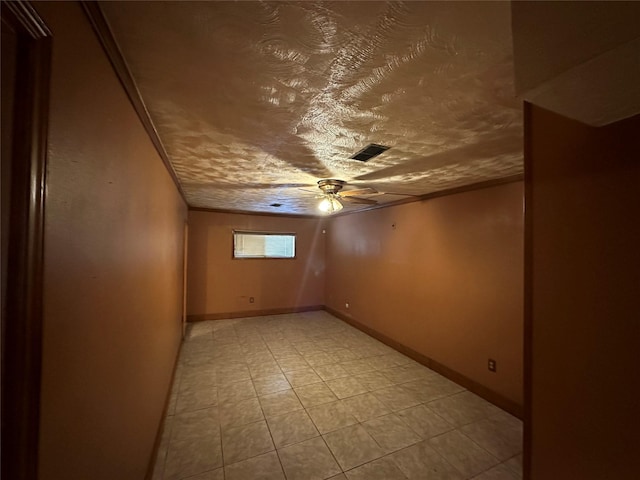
[(219, 285), (113, 269), (584, 209), (447, 281)]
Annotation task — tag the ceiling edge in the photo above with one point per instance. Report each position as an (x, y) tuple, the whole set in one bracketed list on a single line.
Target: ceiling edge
[(261, 214)]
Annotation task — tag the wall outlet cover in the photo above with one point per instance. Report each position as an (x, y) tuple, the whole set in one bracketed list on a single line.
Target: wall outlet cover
[(491, 365)]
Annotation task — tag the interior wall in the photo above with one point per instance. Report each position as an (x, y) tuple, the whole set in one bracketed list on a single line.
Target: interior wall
[(583, 204), (113, 269), (220, 286), (443, 277)]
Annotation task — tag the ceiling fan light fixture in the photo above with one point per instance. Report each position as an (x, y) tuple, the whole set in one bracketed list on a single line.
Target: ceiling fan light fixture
[(330, 204)]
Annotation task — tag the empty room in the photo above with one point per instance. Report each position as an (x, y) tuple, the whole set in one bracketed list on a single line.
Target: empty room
[(320, 240)]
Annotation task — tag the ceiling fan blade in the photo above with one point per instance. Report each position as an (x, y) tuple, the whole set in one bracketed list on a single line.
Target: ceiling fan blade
[(315, 191), (359, 191), (363, 201)]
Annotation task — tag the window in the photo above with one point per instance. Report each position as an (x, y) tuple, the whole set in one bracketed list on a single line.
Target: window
[(264, 245)]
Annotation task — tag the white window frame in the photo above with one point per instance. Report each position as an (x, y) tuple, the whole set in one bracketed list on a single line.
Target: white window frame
[(237, 256)]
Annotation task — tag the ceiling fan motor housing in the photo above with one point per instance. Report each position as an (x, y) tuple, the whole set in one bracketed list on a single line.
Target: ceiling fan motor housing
[(331, 185)]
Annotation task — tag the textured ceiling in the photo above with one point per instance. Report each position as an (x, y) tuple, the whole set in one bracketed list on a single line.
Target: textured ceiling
[(253, 100)]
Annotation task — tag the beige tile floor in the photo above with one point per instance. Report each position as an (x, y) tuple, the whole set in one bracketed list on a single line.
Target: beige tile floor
[(306, 396)]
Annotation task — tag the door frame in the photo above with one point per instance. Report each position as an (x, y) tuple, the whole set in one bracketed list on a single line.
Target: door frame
[(22, 312)]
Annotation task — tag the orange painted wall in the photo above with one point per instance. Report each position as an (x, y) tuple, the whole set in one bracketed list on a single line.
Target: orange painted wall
[(219, 284), (443, 277), (584, 286), (113, 269)]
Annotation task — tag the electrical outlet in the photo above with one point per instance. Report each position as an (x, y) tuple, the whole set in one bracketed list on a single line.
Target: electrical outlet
[(491, 365), (251, 300)]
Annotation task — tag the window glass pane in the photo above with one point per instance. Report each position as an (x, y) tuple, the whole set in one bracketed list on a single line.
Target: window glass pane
[(263, 245)]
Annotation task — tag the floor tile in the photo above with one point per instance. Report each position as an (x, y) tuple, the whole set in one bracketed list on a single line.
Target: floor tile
[(381, 469), (161, 456), (373, 380), (173, 402), (279, 403), (290, 363), (231, 373), (391, 433), (382, 362), (292, 427), (399, 374), (463, 453), (365, 407), (331, 416), (425, 391), (319, 359), (315, 394), (424, 422), (217, 474), (195, 359), (262, 467), (246, 441), (398, 358), (308, 460), (257, 358), (240, 412), (270, 384), (395, 398), (515, 464), (199, 329), (303, 376), (463, 408), (499, 472), (285, 352), (195, 445), (443, 385), (499, 435), (355, 367), (420, 461), (262, 370), (330, 372), (346, 387), (344, 355), (224, 378), (233, 392), (198, 375), (353, 446), (364, 351)]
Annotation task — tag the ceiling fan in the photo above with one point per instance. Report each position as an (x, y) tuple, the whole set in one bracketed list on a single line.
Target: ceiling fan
[(332, 194)]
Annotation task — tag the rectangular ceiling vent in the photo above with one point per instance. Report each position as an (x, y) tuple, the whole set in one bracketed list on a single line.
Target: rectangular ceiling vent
[(368, 152)]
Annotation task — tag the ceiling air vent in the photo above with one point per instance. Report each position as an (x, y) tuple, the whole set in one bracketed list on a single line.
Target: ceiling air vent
[(368, 152)]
